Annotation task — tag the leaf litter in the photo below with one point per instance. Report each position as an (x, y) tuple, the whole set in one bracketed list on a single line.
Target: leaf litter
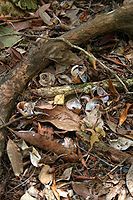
[(53, 162)]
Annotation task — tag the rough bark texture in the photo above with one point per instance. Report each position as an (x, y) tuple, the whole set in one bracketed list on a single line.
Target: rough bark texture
[(79, 88), (12, 85), (117, 20)]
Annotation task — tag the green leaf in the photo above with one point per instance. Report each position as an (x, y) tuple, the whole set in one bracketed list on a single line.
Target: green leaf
[(8, 37)]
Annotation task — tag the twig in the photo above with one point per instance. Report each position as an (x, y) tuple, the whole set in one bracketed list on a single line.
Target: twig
[(112, 170), (91, 56), (24, 182), (19, 118)]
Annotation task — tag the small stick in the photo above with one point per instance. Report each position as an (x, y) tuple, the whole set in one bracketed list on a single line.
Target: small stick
[(19, 118)]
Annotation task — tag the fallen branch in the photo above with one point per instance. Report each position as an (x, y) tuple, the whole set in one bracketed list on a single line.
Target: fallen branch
[(72, 89), (46, 144)]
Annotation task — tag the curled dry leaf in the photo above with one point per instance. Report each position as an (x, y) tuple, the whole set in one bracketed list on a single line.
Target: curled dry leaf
[(31, 194), (45, 175), (114, 191), (15, 157), (27, 196), (92, 103), (79, 72), (54, 189), (44, 15), (46, 79), (74, 104), (26, 108), (35, 157), (102, 94), (67, 174), (94, 137), (121, 143), (113, 91), (48, 193)]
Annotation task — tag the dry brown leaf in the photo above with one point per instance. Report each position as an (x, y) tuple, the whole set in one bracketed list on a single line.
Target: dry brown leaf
[(123, 115), (129, 180), (45, 176), (62, 118), (114, 191), (80, 189), (113, 91), (15, 157), (67, 174)]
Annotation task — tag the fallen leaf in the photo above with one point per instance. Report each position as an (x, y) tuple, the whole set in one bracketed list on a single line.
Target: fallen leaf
[(112, 125), (44, 16), (30, 194), (67, 174), (62, 118), (15, 157), (94, 137), (48, 193), (59, 99), (129, 180), (35, 157), (123, 115), (45, 176), (11, 39), (92, 60), (54, 189), (92, 103), (74, 104), (80, 189), (103, 94), (113, 91), (114, 191), (27, 196), (121, 143)]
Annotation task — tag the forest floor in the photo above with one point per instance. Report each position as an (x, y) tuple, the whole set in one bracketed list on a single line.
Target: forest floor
[(52, 132)]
